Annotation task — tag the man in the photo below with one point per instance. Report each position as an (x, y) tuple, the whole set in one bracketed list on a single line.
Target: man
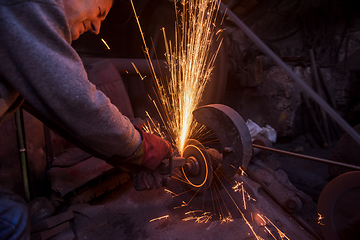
[(41, 70)]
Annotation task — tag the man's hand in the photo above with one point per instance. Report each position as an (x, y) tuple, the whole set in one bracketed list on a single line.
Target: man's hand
[(155, 150), (145, 180), (151, 153)]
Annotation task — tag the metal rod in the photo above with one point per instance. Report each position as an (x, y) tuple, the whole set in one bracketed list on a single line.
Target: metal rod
[(22, 150), (291, 73), (307, 157)]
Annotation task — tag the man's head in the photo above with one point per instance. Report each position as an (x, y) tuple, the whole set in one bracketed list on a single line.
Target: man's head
[(86, 15)]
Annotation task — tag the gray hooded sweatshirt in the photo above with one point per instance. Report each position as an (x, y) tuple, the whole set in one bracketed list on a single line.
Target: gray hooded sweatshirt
[(38, 64)]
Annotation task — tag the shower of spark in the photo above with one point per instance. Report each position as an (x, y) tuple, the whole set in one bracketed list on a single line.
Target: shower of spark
[(190, 64), (152, 127)]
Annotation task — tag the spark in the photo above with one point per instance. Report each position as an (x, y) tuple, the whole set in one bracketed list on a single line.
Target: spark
[(179, 179), (203, 218), (159, 218), (242, 190), (190, 64), (268, 230), (138, 72), (184, 204), (227, 219), (107, 46), (192, 212), (239, 187), (172, 193), (242, 172), (243, 195), (281, 234), (242, 214), (320, 218), (153, 127), (263, 222)]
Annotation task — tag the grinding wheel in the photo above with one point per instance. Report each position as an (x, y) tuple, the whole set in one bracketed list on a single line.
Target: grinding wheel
[(198, 170), (233, 133), (339, 208)]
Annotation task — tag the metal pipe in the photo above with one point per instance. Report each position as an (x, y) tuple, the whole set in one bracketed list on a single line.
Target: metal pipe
[(308, 157), (291, 73)]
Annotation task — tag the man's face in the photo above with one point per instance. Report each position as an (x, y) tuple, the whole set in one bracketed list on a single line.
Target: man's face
[(86, 15)]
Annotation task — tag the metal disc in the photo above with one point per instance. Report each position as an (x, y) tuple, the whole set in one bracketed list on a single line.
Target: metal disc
[(201, 180), (233, 133), (339, 208)]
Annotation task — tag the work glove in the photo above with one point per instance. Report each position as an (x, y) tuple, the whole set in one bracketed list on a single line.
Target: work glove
[(145, 179), (152, 151)]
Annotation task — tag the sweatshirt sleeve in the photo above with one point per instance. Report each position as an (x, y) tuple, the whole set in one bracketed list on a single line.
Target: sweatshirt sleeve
[(39, 62)]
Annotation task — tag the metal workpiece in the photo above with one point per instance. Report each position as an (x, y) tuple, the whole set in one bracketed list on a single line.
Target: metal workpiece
[(234, 135)]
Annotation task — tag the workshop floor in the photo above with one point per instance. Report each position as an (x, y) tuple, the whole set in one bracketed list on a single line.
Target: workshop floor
[(125, 213)]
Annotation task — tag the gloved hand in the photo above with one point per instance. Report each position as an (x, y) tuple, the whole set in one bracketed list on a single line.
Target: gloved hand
[(154, 150), (150, 154), (145, 180)]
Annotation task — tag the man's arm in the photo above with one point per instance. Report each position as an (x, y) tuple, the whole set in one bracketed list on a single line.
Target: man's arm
[(38, 61)]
